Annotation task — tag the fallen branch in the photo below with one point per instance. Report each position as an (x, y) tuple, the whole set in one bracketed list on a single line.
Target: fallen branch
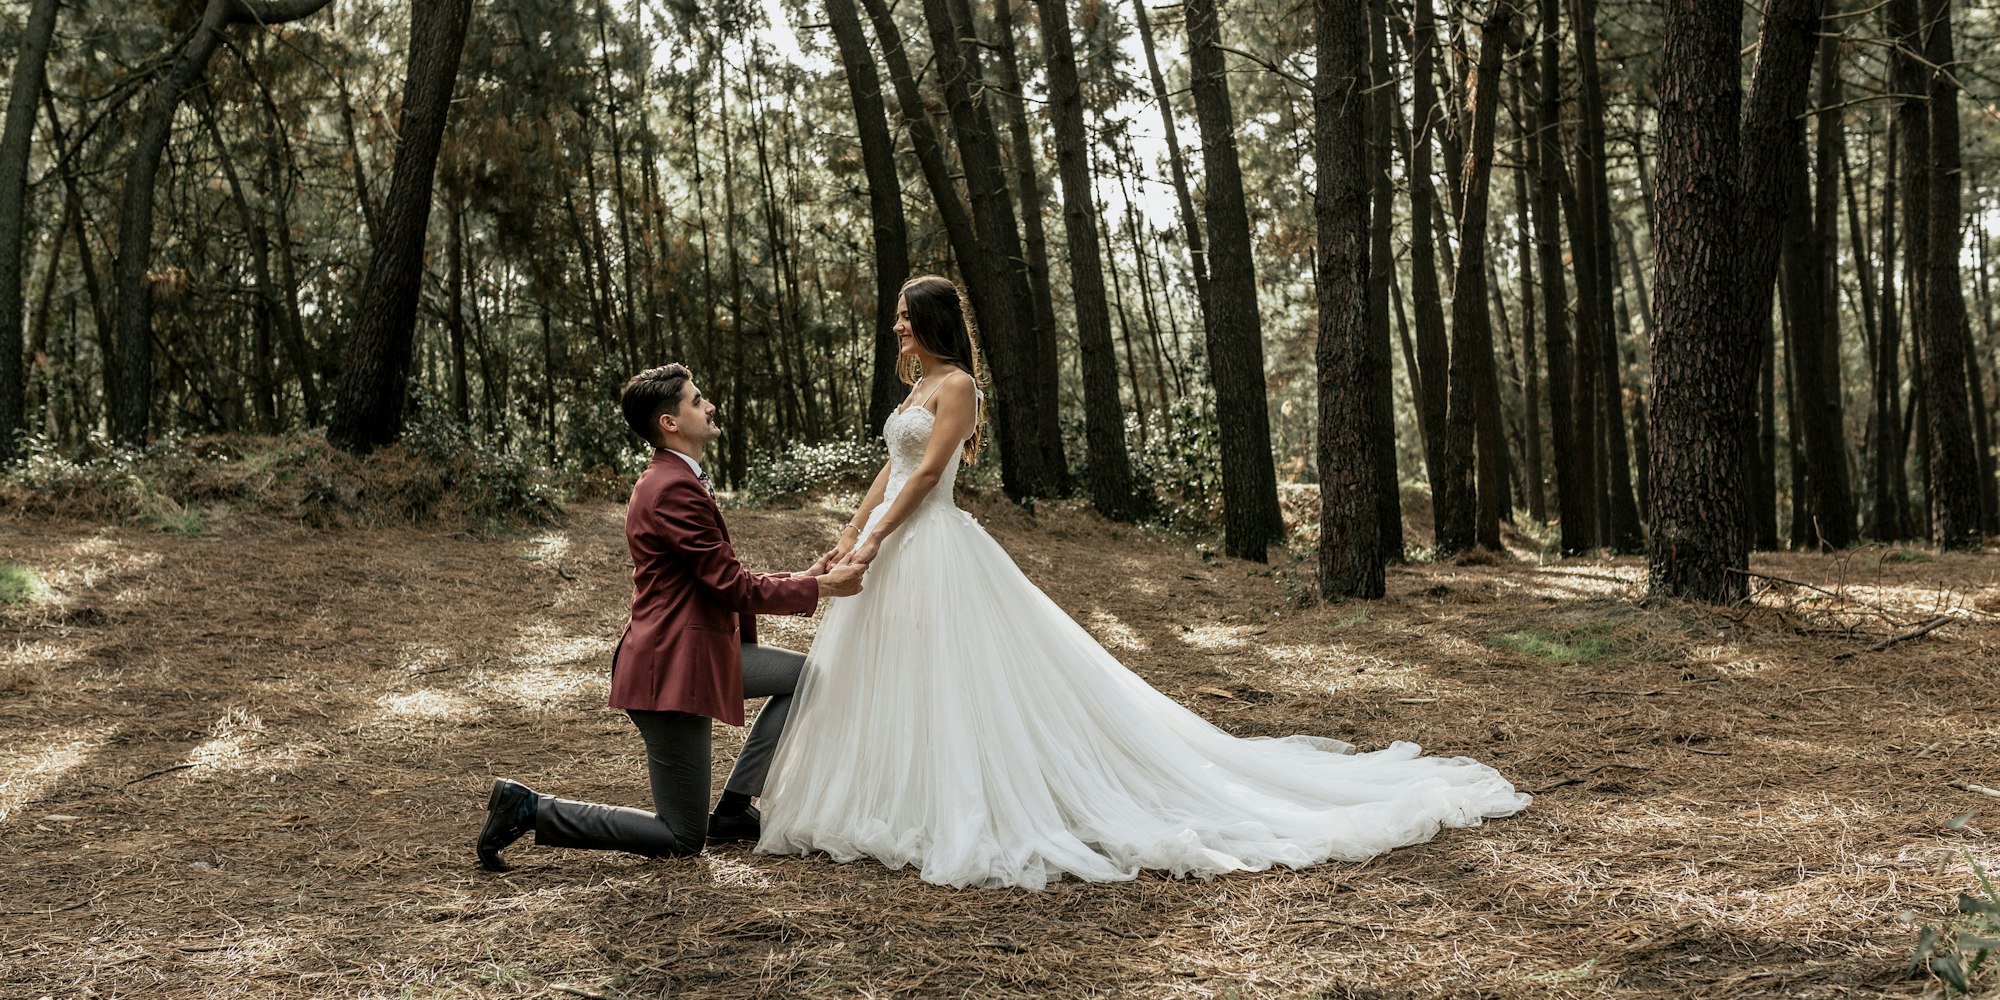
[(1780, 579), (60, 909), (1970, 787), (579, 991), (1918, 632), (157, 773), (1580, 778)]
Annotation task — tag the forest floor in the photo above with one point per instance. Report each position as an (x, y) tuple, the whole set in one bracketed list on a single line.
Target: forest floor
[(253, 763)]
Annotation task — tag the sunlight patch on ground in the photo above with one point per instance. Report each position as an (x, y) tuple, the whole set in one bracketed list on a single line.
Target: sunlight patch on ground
[(1596, 580), (730, 870), (33, 655), (228, 743), (93, 559), (1728, 661), (428, 704), (32, 765), (540, 685), (419, 658), (1217, 638), (546, 548), (544, 644), (783, 631), (1113, 633)]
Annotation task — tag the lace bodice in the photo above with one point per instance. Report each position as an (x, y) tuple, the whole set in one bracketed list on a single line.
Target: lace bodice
[(908, 433)]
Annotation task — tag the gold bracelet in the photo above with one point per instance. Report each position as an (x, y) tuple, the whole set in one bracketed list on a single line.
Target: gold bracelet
[(852, 528)]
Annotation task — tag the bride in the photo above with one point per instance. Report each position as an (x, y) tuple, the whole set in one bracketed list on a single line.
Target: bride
[(954, 718)]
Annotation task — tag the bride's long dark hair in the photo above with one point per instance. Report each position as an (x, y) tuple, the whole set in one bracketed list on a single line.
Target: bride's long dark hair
[(939, 322)]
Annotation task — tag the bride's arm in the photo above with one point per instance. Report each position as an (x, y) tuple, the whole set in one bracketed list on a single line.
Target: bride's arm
[(852, 533), (955, 414)]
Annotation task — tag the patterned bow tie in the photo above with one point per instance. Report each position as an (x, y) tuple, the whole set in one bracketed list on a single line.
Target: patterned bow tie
[(705, 484)]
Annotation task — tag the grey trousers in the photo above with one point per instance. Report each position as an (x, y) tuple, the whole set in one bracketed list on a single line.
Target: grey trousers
[(677, 762)]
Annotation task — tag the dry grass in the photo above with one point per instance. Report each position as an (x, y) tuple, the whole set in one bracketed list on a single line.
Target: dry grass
[(253, 763)]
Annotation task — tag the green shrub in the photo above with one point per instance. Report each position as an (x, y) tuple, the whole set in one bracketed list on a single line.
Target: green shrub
[(1584, 644), (19, 584), (438, 475), (1177, 463), (810, 470), (1956, 951)]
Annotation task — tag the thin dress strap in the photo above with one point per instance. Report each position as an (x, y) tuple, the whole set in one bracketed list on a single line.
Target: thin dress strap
[(935, 388)]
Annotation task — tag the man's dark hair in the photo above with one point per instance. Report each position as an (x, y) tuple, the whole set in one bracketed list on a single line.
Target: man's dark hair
[(649, 394)]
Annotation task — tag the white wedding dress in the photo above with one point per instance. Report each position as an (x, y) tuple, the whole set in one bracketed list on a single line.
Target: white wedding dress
[(952, 717)]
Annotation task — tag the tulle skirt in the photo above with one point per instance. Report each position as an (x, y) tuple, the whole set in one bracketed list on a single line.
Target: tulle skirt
[(953, 718)]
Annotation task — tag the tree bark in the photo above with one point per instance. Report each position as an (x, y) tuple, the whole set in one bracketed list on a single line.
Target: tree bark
[(1698, 546), (1471, 322), (1954, 464), (1350, 552), (1235, 339), (24, 95), (885, 205), (368, 411), (1111, 486)]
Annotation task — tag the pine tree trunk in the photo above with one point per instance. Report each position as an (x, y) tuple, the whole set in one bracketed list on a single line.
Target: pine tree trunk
[(454, 314), (1619, 527), (1572, 486), (1350, 555), (1531, 384), (1177, 163), (1427, 298), (1235, 339), (1027, 180), (1111, 486), (1381, 271), (1028, 429), (1814, 321), (1471, 322), (1697, 546), (885, 205), (1773, 133), (369, 409), (1954, 465), (24, 93), (1580, 215), (263, 309)]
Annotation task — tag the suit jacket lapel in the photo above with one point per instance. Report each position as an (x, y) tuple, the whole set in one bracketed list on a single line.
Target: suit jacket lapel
[(674, 466)]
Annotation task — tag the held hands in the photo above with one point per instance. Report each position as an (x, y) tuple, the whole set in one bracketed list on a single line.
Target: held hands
[(861, 555), (841, 581)]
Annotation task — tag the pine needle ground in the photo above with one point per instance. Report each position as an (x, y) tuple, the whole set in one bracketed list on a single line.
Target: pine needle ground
[(251, 762)]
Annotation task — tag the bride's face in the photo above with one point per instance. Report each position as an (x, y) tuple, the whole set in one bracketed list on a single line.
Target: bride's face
[(906, 338)]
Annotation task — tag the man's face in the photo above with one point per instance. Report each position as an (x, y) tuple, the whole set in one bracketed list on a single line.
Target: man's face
[(695, 420)]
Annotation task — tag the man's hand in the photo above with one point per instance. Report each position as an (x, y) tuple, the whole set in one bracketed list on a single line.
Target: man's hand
[(841, 581), (818, 568)]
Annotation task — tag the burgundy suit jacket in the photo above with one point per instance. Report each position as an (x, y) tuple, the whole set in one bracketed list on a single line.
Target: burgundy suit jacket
[(692, 602)]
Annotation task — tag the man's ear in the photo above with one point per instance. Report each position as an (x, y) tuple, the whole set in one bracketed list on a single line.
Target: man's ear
[(663, 424)]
